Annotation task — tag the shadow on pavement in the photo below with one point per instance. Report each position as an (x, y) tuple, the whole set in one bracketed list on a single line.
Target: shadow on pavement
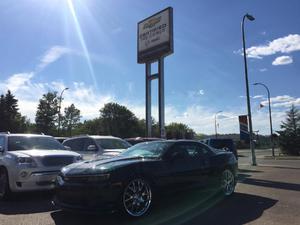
[(27, 203), (239, 209), (249, 171), (272, 184), (193, 208)]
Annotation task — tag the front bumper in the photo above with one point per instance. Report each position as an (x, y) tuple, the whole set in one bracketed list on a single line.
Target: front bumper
[(35, 180), (87, 198)]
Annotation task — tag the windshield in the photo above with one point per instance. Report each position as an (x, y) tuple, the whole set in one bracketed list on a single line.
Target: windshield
[(110, 143), (16, 143), (147, 149)]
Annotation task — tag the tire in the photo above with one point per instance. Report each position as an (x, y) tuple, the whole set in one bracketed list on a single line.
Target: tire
[(227, 182), (136, 197), (4, 185)]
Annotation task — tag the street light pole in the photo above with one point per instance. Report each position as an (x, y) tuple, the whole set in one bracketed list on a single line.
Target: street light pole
[(270, 116), (251, 18), (216, 131), (59, 107)]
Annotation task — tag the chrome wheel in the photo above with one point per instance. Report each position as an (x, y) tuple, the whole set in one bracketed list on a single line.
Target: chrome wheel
[(137, 197), (3, 183), (228, 182)]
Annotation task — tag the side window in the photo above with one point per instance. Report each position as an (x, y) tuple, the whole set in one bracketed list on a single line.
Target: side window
[(203, 149), (75, 144), (2, 142), (195, 150), (179, 151), (88, 142)]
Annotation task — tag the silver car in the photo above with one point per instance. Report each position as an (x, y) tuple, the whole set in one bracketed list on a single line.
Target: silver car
[(91, 146), (31, 162)]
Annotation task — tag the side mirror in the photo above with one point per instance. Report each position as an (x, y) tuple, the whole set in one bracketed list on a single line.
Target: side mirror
[(92, 148), (67, 148), (1, 149)]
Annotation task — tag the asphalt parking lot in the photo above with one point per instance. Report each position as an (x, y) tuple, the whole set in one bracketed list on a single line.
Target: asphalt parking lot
[(266, 194)]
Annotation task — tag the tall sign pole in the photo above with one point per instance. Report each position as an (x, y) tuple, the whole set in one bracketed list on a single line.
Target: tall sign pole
[(155, 42), (148, 101), (161, 100)]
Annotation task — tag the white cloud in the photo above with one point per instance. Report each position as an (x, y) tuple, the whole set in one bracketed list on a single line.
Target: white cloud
[(89, 101), (285, 44), (254, 97), (258, 96), (84, 97), (263, 70), (53, 54), (283, 101), (282, 60), (17, 81)]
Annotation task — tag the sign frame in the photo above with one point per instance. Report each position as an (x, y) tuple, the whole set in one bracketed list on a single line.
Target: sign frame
[(163, 49)]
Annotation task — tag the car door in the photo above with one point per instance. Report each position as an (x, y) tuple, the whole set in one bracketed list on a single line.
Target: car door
[(178, 171), (200, 162)]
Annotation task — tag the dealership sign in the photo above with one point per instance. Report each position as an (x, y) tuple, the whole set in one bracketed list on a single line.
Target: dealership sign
[(155, 36), (244, 133)]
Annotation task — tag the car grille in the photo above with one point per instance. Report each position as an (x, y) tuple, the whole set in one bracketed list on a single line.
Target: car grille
[(57, 160), (78, 179)]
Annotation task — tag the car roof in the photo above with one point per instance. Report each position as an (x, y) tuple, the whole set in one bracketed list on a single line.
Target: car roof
[(94, 137), (176, 141), (25, 135), (143, 138)]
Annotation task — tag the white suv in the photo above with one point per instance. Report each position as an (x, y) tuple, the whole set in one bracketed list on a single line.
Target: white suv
[(31, 162)]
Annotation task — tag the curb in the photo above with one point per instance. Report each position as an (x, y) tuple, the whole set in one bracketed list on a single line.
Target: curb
[(282, 157)]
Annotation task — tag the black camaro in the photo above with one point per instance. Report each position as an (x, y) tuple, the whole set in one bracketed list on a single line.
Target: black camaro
[(131, 180)]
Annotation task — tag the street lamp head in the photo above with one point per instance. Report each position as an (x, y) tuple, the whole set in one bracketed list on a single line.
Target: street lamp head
[(249, 17), (255, 83), (66, 88)]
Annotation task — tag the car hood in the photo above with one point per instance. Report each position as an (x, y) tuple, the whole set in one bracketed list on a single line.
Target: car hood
[(43, 153), (100, 165)]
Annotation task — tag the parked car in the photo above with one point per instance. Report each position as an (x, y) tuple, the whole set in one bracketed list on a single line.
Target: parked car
[(90, 146), (31, 162), (127, 182), (222, 143), (137, 140)]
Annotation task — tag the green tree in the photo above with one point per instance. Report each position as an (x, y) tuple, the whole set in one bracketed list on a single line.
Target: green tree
[(11, 118), (71, 119), (3, 114), (179, 131), (289, 139), (47, 113), (119, 121), (93, 126), (142, 128)]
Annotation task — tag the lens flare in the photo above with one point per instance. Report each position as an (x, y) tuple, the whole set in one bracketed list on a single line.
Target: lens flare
[(82, 41)]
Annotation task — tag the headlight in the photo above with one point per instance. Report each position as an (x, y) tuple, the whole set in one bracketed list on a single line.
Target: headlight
[(26, 161)]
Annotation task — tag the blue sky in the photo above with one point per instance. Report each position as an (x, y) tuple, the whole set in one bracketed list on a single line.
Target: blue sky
[(90, 47)]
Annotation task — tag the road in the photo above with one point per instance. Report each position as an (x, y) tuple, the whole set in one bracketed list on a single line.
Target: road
[(266, 194)]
